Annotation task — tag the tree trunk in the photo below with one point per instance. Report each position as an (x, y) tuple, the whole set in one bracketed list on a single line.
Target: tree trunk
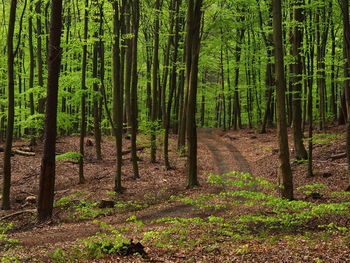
[(83, 95), (134, 108), (117, 98), (10, 108), (173, 76), (285, 173), (297, 78), (155, 83), (41, 101), (194, 17), (346, 43), (48, 164), (96, 98)]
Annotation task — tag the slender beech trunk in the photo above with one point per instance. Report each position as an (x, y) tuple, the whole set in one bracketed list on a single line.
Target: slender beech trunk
[(31, 71), (222, 81), (285, 173), (10, 108), (173, 76), (346, 43), (333, 100), (96, 98), (39, 32), (117, 98), (48, 163), (194, 17), (133, 104), (83, 95), (128, 65), (310, 81), (155, 83), (236, 103), (297, 78)]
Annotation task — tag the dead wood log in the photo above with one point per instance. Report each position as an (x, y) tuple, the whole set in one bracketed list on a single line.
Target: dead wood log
[(23, 153), (31, 211), (19, 152), (129, 151), (338, 156)]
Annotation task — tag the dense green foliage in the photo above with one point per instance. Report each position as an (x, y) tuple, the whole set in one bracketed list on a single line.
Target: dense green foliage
[(221, 43)]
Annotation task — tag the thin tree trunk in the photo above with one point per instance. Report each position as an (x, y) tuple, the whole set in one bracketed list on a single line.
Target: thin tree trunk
[(155, 83), (41, 101), (346, 43), (285, 173), (31, 72), (10, 108), (117, 98), (297, 78), (173, 76), (194, 17), (96, 98), (48, 164), (83, 95), (135, 30)]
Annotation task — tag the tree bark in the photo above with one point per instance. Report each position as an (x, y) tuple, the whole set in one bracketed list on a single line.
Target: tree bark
[(285, 173), (346, 42), (48, 163), (10, 108), (297, 78), (83, 95), (194, 17), (117, 98), (133, 104)]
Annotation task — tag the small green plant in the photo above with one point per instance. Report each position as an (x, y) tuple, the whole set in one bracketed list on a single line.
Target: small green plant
[(80, 207), (73, 157), (7, 244), (312, 189), (58, 256), (103, 244), (323, 138), (333, 228), (244, 249)]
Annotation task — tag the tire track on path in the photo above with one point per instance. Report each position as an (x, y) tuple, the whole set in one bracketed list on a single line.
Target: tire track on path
[(226, 156)]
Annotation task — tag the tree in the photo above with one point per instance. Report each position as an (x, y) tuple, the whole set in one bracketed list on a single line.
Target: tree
[(117, 97), (285, 173), (83, 95), (134, 83), (194, 16), (154, 115), (297, 78), (48, 163), (344, 4), (10, 108)]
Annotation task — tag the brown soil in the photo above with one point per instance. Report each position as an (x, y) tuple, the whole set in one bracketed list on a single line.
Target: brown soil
[(218, 152)]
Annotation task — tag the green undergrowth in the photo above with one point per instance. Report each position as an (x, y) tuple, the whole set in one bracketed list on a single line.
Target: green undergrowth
[(242, 215), (8, 246), (79, 206), (246, 215), (111, 241), (73, 157)]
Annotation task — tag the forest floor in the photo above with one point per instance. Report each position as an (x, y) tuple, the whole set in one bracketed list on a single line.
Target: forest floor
[(230, 218)]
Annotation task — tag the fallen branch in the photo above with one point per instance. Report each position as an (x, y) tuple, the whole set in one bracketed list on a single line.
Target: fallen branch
[(23, 153), (129, 151), (19, 152), (31, 211), (338, 156)]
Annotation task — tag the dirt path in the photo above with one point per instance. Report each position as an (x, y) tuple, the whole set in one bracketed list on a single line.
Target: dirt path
[(226, 157)]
